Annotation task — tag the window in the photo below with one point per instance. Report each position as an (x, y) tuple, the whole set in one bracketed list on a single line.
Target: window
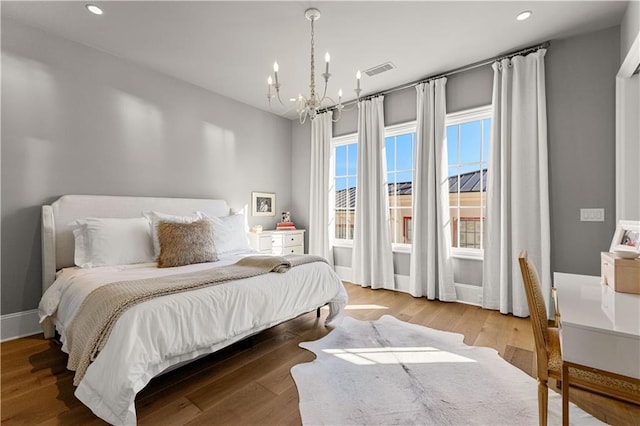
[(400, 147), (468, 136), (345, 154), (400, 144)]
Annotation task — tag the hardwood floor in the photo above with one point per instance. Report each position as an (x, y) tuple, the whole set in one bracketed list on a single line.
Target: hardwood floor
[(249, 383)]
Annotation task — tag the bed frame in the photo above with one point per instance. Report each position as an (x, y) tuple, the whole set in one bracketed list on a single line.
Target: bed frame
[(57, 235)]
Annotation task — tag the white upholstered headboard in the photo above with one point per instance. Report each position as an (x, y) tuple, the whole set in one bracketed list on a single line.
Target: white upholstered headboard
[(57, 236)]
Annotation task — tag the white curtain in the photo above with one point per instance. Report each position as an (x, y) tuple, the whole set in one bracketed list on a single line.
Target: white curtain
[(372, 260), (518, 187), (431, 271), (321, 203)]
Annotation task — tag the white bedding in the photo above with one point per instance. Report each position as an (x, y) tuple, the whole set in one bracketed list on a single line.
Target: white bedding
[(154, 335)]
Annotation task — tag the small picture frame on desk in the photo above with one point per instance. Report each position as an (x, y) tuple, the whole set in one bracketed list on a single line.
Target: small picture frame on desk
[(263, 204), (627, 234)]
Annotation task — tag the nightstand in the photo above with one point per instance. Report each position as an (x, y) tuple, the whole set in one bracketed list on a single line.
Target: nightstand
[(278, 242)]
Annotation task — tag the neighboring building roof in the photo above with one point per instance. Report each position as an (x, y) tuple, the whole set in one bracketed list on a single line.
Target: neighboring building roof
[(469, 182)]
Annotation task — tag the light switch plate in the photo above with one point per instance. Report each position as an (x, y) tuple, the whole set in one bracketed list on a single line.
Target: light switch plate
[(592, 215)]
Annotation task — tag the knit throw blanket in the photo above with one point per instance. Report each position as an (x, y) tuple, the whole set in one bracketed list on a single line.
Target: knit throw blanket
[(90, 328)]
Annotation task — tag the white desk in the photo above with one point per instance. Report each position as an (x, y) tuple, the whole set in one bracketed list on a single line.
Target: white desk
[(600, 328)]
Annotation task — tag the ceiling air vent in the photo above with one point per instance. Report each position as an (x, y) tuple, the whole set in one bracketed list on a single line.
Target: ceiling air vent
[(379, 68)]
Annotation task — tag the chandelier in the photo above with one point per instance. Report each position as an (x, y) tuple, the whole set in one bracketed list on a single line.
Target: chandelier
[(309, 106)]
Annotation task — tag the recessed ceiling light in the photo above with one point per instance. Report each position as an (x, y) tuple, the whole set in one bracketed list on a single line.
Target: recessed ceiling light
[(524, 15), (94, 9)]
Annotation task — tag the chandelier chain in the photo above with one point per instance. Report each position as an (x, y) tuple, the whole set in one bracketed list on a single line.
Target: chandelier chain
[(312, 84)]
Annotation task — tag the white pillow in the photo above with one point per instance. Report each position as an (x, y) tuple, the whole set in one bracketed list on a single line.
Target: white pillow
[(155, 217), (106, 241), (229, 233)]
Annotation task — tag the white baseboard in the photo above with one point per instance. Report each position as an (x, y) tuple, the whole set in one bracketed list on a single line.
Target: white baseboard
[(466, 293), (19, 324), (469, 294)]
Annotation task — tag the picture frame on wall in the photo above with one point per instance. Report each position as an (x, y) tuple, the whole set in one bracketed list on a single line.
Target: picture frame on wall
[(263, 204)]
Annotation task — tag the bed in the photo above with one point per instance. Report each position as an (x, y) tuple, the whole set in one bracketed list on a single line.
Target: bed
[(164, 332)]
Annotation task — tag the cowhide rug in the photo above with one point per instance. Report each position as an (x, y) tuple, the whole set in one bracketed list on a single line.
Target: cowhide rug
[(392, 372)]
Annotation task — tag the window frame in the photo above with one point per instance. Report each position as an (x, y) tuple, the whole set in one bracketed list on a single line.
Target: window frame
[(337, 141), (457, 118), (397, 130)]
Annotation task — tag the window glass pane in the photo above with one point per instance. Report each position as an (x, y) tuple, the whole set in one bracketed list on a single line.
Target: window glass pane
[(392, 193), (470, 142), (341, 193), (404, 211), (394, 226), (389, 144), (469, 229), (341, 160), (341, 224), (454, 199), (351, 182), (487, 138), (404, 160), (408, 229), (352, 150), (404, 220), (403, 177), (453, 213), (391, 178), (467, 169), (471, 199), (351, 198), (470, 213), (452, 144)]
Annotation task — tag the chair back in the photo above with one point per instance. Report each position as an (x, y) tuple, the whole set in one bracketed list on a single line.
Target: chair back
[(538, 311)]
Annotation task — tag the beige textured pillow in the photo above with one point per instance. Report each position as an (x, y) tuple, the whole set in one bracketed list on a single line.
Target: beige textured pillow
[(186, 243)]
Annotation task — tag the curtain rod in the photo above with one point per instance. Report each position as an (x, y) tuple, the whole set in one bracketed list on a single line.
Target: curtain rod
[(447, 74)]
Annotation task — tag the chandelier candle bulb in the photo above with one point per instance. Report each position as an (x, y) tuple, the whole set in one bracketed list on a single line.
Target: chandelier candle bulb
[(358, 75), (269, 83), (275, 70), (340, 96), (327, 58)]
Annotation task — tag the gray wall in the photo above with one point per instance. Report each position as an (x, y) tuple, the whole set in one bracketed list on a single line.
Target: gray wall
[(79, 121), (580, 77), (465, 90), (300, 177), (629, 28)]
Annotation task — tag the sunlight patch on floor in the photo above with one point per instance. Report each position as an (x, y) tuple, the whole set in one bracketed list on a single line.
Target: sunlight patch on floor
[(359, 307)]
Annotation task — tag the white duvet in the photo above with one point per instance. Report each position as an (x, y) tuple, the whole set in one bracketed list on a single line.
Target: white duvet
[(154, 335)]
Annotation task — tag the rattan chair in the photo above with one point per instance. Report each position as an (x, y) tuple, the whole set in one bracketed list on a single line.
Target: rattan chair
[(549, 358)]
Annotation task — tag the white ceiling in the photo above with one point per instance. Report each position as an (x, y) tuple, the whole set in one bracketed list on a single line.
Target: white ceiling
[(229, 47)]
